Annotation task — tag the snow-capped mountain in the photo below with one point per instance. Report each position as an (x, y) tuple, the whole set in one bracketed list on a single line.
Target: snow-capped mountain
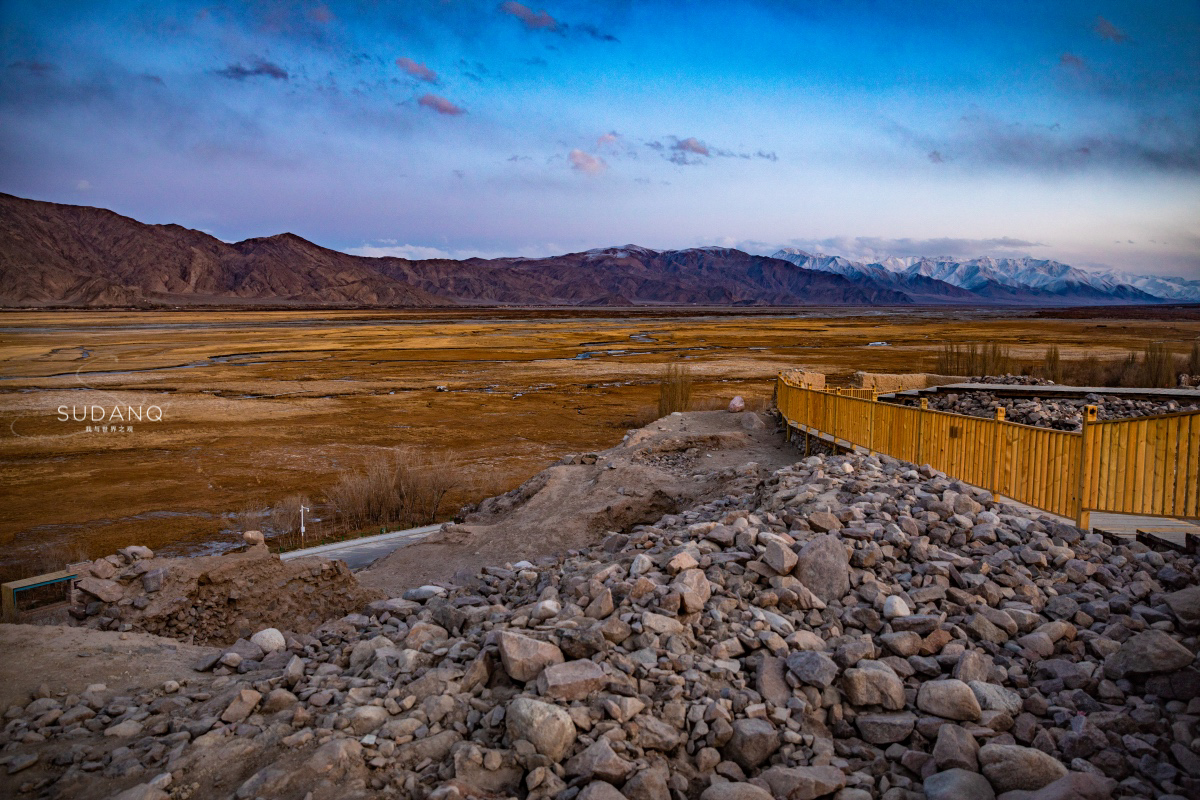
[(1168, 287), (1027, 281)]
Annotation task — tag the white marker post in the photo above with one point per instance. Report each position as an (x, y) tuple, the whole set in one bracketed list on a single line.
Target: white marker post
[(302, 510)]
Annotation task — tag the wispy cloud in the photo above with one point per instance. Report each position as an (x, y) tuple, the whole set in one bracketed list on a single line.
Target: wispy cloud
[(612, 137), (417, 70), (1071, 61), (440, 105), (586, 163), (36, 67), (690, 151), (1158, 143), (533, 20), (260, 68), (1107, 30)]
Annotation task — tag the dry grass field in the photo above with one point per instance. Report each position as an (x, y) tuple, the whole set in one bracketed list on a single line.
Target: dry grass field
[(259, 407)]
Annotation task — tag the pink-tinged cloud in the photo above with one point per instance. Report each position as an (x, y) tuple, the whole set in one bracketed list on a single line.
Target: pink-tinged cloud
[(533, 20), (608, 138), (587, 163), (692, 145), (417, 70), (1109, 31), (1071, 61), (440, 105)]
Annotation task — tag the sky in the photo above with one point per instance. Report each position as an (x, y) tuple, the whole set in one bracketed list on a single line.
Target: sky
[(421, 128)]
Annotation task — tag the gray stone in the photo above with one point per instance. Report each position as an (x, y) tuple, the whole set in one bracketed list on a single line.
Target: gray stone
[(803, 783), (956, 748), (599, 761), (1010, 766), (951, 699), (822, 566), (873, 683), (572, 680), (547, 727), (812, 667), (958, 784), (1147, 653), (735, 791), (753, 742), (524, 658), (885, 728)]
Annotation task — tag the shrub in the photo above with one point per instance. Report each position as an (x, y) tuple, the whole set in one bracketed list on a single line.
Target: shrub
[(398, 488), (1052, 364), (1193, 363), (674, 389), (973, 360)]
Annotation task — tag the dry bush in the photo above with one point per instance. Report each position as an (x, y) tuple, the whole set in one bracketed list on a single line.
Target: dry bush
[(250, 518), (753, 403), (1193, 361), (1158, 366), (1052, 364), (674, 389), (395, 489), (971, 359), (286, 516)]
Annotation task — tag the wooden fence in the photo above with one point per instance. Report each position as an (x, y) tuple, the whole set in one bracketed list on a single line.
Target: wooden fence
[(1147, 466)]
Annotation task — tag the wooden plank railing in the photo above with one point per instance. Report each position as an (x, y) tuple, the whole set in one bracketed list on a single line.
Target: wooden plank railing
[(1147, 466)]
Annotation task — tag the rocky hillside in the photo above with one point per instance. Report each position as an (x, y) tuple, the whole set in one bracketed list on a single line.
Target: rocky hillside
[(847, 627), (61, 255)]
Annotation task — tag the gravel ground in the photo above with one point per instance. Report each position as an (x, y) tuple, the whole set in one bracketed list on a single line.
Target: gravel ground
[(847, 626)]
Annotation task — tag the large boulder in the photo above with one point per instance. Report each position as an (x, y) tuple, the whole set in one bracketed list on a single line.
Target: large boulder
[(1147, 653), (547, 727), (524, 658), (753, 742), (803, 783), (1010, 766), (823, 567)]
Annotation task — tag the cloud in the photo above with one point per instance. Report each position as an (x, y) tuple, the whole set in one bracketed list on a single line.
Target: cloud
[(237, 72), (82, 185), (417, 70), (874, 248), (1107, 30), (1071, 61), (768, 156), (607, 138), (595, 33), (440, 105), (691, 145), (533, 20), (1160, 143), (586, 163), (36, 67), (409, 251)]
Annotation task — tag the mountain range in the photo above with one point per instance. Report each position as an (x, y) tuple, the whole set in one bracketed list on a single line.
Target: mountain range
[(54, 255)]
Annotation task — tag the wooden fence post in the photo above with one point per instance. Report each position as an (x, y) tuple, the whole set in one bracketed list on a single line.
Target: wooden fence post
[(921, 432), (997, 457), (1083, 517)]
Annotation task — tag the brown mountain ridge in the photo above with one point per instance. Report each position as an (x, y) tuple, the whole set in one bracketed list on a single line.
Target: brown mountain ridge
[(55, 255)]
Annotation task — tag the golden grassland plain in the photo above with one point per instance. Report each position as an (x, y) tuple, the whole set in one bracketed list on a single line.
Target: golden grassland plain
[(259, 406)]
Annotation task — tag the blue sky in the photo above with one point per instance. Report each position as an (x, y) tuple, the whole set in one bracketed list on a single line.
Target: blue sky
[(1060, 130)]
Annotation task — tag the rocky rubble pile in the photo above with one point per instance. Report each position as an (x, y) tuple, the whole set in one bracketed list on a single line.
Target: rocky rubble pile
[(214, 599), (852, 628), (1009, 379), (1064, 414)]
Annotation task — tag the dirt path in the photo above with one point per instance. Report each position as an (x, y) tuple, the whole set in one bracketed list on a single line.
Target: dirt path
[(69, 659), (666, 466)]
